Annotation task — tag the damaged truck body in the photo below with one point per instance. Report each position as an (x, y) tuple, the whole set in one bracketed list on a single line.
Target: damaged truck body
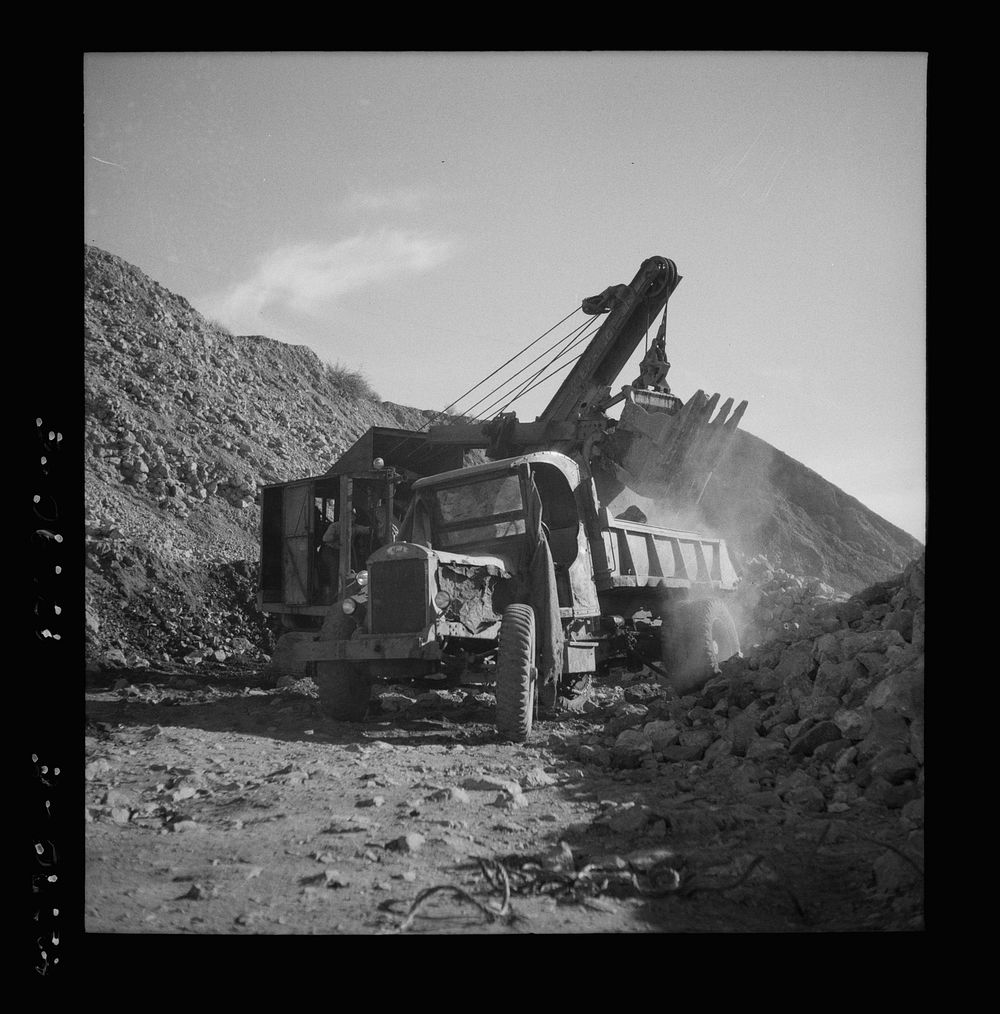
[(537, 568)]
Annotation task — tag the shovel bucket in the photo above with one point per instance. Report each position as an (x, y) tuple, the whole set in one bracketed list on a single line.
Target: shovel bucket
[(668, 452)]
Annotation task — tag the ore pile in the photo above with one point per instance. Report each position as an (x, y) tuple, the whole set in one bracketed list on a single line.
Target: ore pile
[(771, 603), (178, 615), (825, 719)]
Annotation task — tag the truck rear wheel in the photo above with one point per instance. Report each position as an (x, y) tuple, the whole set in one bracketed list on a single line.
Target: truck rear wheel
[(344, 690), (516, 673), (695, 640)]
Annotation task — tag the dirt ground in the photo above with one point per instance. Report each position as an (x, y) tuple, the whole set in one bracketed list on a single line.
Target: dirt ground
[(220, 804)]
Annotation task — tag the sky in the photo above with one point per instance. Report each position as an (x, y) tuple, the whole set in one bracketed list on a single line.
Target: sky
[(421, 217)]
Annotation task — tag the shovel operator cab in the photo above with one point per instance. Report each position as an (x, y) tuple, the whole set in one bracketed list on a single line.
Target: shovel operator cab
[(317, 532), (511, 573)]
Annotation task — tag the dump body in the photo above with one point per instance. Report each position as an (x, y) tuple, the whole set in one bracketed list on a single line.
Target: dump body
[(633, 555)]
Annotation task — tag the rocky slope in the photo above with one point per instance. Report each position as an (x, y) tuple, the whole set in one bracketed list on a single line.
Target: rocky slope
[(767, 503), (185, 422)]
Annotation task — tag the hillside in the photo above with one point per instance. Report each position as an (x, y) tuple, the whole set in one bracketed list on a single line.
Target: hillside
[(767, 503), (185, 422)]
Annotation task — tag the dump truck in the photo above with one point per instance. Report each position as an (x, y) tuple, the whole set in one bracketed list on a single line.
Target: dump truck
[(538, 567)]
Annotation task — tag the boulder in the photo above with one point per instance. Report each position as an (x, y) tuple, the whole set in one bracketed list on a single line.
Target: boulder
[(881, 792), (627, 716), (822, 732), (855, 642), (593, 754), (834, 678), (630, 747), (796, 662), (902, 692), (901, 620), (763, 749), (741, 732), (889, 730), (662, 734), (818, 706), (895, 766), (806, 797)]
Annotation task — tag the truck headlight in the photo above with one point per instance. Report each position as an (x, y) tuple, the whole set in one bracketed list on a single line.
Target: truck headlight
[(361, 577), (441, 600), (349, 605)]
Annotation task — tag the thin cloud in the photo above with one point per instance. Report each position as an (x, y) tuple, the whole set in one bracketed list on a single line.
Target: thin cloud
[(305, 278), (402, 199)]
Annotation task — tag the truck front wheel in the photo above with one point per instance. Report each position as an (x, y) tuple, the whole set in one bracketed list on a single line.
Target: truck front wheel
[(516, 673), (344, 690)]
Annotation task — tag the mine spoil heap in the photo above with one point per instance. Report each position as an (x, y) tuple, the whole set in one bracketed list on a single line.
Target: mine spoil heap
[(843, 694), (185, 423)]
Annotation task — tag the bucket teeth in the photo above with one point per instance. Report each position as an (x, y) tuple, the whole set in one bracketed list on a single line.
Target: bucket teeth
[(737, 416), (723, 412)]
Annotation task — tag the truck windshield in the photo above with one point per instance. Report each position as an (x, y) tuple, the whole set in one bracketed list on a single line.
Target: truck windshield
[(479, 511)]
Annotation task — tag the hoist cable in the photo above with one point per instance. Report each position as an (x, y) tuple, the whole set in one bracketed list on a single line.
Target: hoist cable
[(569, 342), (568, 338), (530, 384), (392, 450), (527, 383), (558, 369), (498, 369)]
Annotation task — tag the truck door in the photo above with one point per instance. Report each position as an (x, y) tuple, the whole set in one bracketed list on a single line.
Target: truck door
[(297, 521)]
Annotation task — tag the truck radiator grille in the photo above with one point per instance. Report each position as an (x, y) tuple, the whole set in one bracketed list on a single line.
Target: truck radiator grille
[(397, 591)]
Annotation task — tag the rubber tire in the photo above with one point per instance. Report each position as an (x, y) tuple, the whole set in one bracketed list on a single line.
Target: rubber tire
[(713, 633), (345, 690), (516, 673), (701, 635)]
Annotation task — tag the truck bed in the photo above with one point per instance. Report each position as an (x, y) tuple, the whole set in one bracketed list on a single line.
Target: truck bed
[(633, 555)]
